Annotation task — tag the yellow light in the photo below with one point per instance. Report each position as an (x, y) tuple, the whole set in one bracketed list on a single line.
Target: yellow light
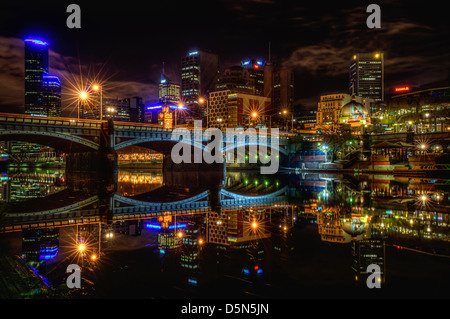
[(284, 112), (96, 87), (180, 234), (83, 95), (180, 105), (200, 241), (377, 55), (201, 100), (254, 114), (354, 57), (94, 257), (81, 247), (254, 225)]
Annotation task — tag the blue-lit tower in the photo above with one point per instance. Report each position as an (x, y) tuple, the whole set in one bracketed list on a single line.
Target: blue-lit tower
[(51, 95), (36, 66)]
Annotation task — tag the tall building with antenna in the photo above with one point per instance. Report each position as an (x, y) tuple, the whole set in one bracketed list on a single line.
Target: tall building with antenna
[(169, 91)]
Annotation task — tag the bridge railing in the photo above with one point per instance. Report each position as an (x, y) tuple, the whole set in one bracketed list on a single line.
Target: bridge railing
[(64, 121)]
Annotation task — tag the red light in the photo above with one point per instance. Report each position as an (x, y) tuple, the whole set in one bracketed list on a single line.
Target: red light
[(403, 89), (256, 268), (256, 66)]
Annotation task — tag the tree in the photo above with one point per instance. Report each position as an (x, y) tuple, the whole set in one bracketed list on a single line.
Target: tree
[(335, 138)]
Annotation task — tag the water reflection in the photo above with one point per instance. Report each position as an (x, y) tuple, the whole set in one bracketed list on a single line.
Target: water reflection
[(160, 234)]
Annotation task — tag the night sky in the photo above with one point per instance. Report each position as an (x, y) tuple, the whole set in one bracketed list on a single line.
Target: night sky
[(127, 42)]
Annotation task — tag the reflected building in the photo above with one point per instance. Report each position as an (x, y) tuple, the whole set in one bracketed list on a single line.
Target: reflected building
[(40, 245), (365, 252)]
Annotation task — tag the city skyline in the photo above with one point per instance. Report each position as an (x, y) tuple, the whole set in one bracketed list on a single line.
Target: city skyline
[(316, 44)]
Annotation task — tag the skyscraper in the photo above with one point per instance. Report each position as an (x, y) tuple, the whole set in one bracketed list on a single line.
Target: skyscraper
[(137, 109), (367, 76), (42, 91), (169, 91), (199, 74), (51, 95), (36, 66)]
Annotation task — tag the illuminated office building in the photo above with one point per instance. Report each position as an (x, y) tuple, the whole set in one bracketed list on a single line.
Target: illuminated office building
[(51, 89), (255, 69), (36, 66), (169, 91), (199, 74), (229, 109), (365, 252), (236, 79), (42, 91), (367, 76)]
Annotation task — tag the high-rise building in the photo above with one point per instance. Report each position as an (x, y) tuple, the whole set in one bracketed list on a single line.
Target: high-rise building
[(236, 79), (278, 85), (365, 252), (36, 66), (51, 92), (367, 76), (42, 91), (117, 109), (256, 72), (169, 91), (199, 75), (137, 109)]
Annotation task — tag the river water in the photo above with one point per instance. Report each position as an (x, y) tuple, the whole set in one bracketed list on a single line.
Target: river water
[(150, 234)]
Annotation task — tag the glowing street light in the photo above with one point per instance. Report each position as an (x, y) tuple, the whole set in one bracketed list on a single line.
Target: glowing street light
[(81, 248), (97, 88)]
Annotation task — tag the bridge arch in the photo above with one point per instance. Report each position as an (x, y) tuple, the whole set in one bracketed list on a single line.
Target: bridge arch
[(60, 141)]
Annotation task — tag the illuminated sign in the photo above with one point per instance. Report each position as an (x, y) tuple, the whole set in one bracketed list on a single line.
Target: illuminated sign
[(155, 107), (156, 226), (402, 89)]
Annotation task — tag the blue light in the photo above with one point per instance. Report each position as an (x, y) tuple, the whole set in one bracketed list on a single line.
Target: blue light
[(36, 41), (162, 251), (153, 226), (259, 62), (246, 271), (155, 107), (192, 281), (259, 271), (177, 226), (246, 62), (163, 81), (193, 53), (156, 226)]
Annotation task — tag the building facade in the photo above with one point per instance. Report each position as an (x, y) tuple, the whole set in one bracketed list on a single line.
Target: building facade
[(367, 75), (199, 75), (42, 91), (230, 109)]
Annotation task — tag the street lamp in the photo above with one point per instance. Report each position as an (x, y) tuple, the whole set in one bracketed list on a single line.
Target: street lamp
[(201, 100), (179, 107), (98, 88), (83, 96)]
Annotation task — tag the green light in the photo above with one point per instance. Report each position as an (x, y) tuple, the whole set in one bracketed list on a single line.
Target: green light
[(256, 182), (246, 181), (266, 183)]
